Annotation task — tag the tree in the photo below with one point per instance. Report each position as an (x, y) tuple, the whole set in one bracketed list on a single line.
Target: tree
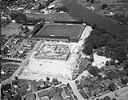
[(63, 8), (87, 49), (120, 53), (94, 26), (38, 26), (112, 43), (26, 30), (100, 77), (107, 63), (47, 78), (55, 81), (112, 86), (9, 2), (94, 70), (83, 94), (41, 6), (17, 97), (98, 38), (124, 80), (112, 62), (104, 6), (103, 39), (19, 17), (106, 98), (91, 59), (126, 70), (16, 78), (48, 2), (126, 64), (112, 75), (77, 82), (92, 1), (93, 40), (81, 85)]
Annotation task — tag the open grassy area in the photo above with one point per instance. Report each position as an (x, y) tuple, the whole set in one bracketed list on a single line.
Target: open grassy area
[(61, 30)]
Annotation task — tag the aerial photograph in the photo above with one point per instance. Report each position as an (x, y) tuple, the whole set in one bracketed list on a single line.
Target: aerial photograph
[(64, 50)]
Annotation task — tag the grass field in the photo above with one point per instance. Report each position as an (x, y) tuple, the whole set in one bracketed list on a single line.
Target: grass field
[(61, 30)]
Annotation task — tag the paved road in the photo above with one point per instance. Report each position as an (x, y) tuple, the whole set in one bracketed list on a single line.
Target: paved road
[(75, 90)]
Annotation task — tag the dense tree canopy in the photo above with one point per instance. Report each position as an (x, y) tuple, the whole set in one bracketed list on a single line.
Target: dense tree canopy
[(112, 86), (126, 64), (94, 70), (124, 80), (106, 98), (87, 49), (104, 6), (116, 46)]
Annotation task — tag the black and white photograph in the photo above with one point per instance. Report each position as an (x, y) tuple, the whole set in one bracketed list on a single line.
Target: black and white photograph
[(64, 50)]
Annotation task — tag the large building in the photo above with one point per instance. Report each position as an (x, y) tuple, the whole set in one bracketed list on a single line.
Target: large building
[(70, 32)]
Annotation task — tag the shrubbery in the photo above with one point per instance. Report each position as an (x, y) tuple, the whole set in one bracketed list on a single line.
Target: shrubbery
[(115, 45)]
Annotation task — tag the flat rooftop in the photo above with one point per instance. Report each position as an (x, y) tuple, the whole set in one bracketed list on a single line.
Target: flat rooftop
[(61, 31)]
